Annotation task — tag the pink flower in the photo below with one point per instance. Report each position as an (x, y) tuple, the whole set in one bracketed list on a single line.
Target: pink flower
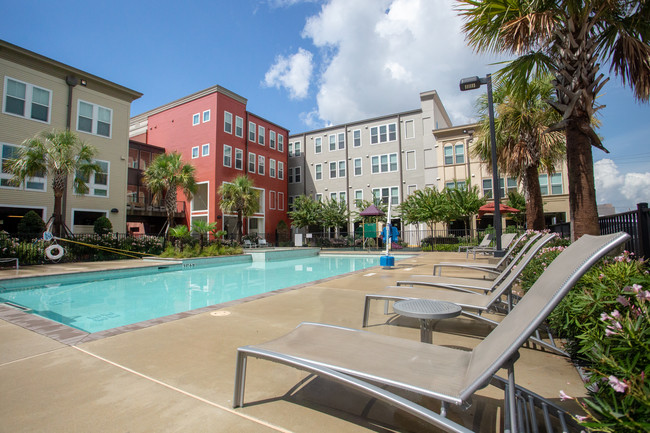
[(601, 276), (581, 418), (643, 295), (618, 385), (605, 317), (623, 301), (616, 314), (564, 396), (636, 287), (609, 332)]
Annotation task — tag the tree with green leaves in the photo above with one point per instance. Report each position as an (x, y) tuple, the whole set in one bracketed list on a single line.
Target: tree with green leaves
[(241, 198), (306, 212), (202, 228), (57, 155), (463, 202), (428, 206), (524, 146), (333, 213), (569, 39), (164, 176), (361, 205), (518, 201)]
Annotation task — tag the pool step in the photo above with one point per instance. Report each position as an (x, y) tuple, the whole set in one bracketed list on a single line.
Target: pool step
[(18, 307)]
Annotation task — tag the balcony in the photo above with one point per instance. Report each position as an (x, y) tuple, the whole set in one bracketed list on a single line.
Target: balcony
[(148, 209)]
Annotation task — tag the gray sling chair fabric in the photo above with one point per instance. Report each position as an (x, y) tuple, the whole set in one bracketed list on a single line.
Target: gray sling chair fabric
[(506, 240), (355, 358), (470, 300), (494, 268), (485, 242), (470, 285)]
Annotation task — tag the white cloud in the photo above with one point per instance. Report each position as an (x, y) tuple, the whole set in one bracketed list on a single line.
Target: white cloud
[(623, 190), (293, 73), (376, 56)]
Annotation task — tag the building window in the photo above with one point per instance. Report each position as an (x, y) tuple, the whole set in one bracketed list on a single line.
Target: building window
[(318, 171), (272, 139), (319, 197), (296, 149), (357, 167), (333, 196), (97, 182), (356, 138), (281, 142), (333, 170), (487, 187), (512, 184), (205, 150), (26, 100), (556, 183), (195, 152), (358, 195), (543, 183), (94, 119), (342, 197), (260, 134), (206, 116), (10, 151), (410, 160), (227, 156), (384, 195), (412, 189), (280, 170), (318, 145), (341, 140), (460, 184), (239, 159), (297, 175), (239, 126), (261, 165), (341, 168), (272, 167), (252, 132), (459, 153), (280, 201), (383, 133), (384, 163), (272, 199), (196, 119), (332, 139), (86, 217), (199, 201), (227, 122), (252, 163), (409, 129)]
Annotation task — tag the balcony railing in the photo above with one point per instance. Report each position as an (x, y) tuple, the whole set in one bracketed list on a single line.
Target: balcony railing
[(141, 208)]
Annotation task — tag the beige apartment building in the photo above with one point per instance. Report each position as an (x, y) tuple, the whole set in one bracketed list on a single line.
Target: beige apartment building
[(389, 157), (40, 94)]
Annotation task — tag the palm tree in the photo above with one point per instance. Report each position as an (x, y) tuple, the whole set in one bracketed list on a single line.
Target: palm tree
[(569, 38), (202, 228), (523, 145), (241, 198), (56, 154), (306, 212), (166, 173)]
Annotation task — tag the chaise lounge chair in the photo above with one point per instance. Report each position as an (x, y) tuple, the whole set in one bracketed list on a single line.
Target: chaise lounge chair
[(485, 242), (472, 284), (506, 240), (363, 360), (494, 268)]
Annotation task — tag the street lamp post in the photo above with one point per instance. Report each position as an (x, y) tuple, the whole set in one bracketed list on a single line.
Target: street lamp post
[(472, 83)]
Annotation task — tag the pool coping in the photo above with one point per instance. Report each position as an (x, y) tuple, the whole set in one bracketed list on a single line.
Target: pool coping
[(72, 336)]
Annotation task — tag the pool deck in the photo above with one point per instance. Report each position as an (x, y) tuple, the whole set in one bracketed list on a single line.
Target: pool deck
[(177, 375)]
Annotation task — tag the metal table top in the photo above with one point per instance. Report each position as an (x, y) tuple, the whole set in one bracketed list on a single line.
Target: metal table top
[(426, 309)]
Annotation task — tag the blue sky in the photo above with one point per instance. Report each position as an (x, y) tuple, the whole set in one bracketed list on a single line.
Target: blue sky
[(304, 63)]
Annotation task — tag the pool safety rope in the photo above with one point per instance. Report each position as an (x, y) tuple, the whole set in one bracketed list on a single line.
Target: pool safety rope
[(57, 255)]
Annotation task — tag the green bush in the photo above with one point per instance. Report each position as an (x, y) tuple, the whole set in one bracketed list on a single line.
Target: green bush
[(190, 251), (31, 226), (102, 226)]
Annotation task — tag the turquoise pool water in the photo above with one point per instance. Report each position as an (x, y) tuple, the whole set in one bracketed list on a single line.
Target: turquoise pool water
[(116, 300)]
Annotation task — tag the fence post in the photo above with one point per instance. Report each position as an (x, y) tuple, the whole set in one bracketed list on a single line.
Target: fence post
[(643, 229)]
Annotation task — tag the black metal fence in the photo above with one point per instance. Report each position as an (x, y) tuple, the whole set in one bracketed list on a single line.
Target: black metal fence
[(636, 223)]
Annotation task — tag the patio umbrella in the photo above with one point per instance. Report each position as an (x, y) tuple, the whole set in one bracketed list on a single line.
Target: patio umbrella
[(489, 208)]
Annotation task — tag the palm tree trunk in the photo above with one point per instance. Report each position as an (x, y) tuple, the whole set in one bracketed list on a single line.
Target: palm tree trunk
[(535, 205), (240, 225), (582, 191), (58, 199), (170, 206)]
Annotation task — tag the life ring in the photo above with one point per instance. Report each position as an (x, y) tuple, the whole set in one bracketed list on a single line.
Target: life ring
[(54, 252)]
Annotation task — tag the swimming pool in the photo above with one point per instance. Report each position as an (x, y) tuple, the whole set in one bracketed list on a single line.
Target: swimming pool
[(117, 300)]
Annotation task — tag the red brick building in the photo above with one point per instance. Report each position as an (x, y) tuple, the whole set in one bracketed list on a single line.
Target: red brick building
[(213, 131)]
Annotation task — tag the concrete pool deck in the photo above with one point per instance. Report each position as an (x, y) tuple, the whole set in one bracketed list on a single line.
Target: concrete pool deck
[(178, 375)]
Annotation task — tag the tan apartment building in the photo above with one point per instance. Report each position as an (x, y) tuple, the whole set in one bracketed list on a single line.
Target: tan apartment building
[(40, 94), (389, 157)]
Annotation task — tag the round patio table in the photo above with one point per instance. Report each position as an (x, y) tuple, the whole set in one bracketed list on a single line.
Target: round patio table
[(428, 312)]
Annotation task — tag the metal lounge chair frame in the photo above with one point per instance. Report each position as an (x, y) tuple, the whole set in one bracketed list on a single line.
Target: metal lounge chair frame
[(485, 242), (472, 284), (355, 358), (469, 300), (494, 268)]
